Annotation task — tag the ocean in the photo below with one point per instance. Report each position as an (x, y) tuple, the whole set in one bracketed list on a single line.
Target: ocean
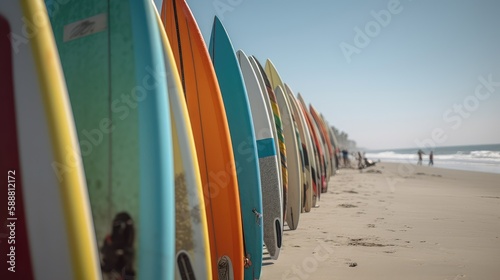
[(483, 158)]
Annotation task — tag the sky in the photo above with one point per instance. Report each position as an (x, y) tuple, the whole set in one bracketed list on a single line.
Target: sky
[(392, 74)]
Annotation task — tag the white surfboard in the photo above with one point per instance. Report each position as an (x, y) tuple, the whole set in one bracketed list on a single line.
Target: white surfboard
[(268, 160), (49, 216), (192, 245), (269, 108), (308, 151), (294, 205), (317, 157)]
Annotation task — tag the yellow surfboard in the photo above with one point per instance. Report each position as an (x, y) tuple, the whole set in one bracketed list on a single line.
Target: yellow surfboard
[(40, 155)]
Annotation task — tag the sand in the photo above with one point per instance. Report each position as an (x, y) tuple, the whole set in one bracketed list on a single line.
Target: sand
[(395, 221)]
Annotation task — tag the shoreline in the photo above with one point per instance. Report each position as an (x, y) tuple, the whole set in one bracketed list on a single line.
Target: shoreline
[(397, 221), (456, 166)]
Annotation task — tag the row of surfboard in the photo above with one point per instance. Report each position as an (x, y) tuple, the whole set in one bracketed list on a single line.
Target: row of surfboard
[(133, 151)]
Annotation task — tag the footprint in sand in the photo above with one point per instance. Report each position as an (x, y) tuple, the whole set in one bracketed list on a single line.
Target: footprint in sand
[(366, 243), (347, 205), (351, 191), (493, 197), (371, 225), (352, 264)]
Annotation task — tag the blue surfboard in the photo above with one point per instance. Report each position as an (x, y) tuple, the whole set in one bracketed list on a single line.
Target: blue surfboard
[(113, 63), (243, 139)]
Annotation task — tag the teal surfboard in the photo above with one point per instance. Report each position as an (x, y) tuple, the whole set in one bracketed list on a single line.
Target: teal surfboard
[(244, 145), (268, 159), (113, 63)]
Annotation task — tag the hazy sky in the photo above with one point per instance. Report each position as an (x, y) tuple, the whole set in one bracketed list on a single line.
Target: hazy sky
[(392, 74)]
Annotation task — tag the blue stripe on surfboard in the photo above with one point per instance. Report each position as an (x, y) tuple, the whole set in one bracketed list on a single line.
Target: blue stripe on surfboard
[(156, 256), (266, 147)]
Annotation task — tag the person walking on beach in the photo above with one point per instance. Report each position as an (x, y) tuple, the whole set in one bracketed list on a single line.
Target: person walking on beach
[(345, 156), (431, 159), (420, 153)]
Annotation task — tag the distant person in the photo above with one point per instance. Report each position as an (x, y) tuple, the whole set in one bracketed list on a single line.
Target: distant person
[(360, 161), (337, 163), (420, 153), (345, 156), (431, 158)]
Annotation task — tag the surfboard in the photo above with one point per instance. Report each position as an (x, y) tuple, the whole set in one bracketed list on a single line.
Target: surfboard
[(192, 246), (293, 153), (268, 161), (212, 140), (326, 146), (324, 154), (317, 146), (301, 147), (322, 139), (307, 149), (294, 174), (243, 140), (324, 124), (112, 59), (269, 108), (333, 143), (47, 230), (336, 147), (280, 138)]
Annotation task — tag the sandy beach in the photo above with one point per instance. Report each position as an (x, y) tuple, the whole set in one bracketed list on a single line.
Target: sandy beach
[(395, 221)]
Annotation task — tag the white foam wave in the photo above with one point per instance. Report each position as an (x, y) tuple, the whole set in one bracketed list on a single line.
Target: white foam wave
[(487, 157), (485, 154)]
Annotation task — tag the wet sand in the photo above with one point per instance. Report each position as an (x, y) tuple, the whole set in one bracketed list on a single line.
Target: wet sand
[(395, 221)]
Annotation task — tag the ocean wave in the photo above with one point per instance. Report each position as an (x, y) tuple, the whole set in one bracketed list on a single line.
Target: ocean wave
[(465, 157), (485, 154)]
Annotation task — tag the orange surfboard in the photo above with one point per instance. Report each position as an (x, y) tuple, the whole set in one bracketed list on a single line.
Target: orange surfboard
[(325, 139), (320, 153), (212, 139)]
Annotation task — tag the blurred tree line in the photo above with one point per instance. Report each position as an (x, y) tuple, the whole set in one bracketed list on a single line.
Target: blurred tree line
[(343, 139)]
